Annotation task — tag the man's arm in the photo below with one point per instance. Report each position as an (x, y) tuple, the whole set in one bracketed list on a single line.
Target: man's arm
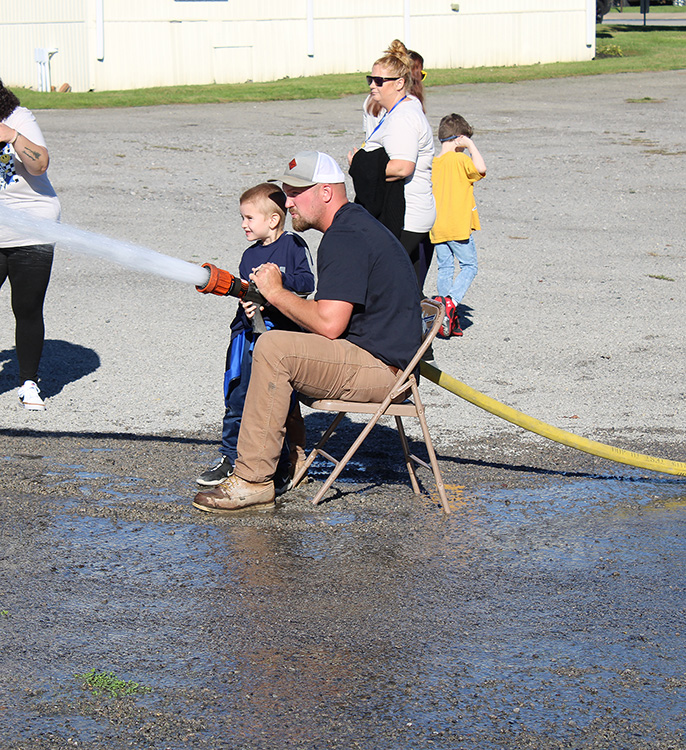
[(326, 317)]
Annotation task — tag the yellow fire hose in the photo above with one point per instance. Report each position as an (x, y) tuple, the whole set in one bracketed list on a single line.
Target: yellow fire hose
[(619, 455)]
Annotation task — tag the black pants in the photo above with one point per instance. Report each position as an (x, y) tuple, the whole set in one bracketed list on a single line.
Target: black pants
[(420, 250), (28, 269)]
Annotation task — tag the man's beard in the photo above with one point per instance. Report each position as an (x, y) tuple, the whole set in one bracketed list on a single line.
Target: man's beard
[(300, 224)]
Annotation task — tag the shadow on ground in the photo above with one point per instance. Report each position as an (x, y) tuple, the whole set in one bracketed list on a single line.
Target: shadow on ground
[(62, 362)]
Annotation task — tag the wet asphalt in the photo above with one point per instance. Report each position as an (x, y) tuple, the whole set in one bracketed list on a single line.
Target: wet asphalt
[(546, 612)]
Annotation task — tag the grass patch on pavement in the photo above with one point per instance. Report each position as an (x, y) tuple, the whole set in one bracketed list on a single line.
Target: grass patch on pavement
[(107, 683), (632, 49)]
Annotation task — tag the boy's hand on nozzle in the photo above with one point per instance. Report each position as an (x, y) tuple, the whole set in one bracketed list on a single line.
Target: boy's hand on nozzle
[(254, 297), (250, 308)]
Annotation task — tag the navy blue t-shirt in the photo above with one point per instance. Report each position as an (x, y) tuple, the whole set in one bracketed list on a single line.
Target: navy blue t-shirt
[(290, 253), (361, 262)]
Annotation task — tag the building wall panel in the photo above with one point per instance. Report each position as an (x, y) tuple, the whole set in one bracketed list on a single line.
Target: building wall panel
[(167, 42)]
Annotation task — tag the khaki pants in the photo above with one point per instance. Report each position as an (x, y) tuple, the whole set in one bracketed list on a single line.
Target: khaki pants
[(284, 361)]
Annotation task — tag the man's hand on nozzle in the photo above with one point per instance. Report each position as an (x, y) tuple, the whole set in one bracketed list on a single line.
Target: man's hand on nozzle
[(267, 278)]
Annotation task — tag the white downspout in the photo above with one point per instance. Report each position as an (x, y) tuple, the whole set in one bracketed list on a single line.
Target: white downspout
[(100, 29), (310, 28)]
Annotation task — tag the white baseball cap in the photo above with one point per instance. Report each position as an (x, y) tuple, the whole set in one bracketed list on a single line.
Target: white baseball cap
[(308, 168)]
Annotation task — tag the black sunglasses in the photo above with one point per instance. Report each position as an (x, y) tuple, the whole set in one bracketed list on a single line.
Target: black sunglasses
[(380, 80)]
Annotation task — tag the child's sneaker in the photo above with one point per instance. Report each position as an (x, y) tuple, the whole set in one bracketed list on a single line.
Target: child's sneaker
[(216, 474), (282, 483), (444, 330), (456, 328), (451, 317), (451, 321), (298, 458), (28, 395)]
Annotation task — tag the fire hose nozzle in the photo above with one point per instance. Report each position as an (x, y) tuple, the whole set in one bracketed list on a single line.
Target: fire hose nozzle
[(225, 284), (222, 283)]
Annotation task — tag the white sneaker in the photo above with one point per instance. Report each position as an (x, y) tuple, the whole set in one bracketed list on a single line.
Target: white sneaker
[(28, 395)]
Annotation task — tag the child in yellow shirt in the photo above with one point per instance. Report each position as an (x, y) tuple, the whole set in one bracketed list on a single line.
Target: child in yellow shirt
[(453, 176)]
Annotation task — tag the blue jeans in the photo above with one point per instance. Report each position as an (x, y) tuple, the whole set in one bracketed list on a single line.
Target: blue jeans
[(465, 253)]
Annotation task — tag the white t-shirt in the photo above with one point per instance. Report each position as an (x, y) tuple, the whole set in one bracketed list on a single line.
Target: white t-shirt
[(20, 190), (406, 134)]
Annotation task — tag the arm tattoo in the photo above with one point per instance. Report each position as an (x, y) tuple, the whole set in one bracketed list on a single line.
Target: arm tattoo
[(35, 155)]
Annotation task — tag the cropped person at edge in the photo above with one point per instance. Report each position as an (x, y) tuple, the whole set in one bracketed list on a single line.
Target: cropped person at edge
[(25, 187)]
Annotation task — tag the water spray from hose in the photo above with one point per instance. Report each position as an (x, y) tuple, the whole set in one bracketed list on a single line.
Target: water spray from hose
[(124, 253), (207, 278)]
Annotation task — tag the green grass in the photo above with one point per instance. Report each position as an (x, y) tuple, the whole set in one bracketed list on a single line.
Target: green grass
[(647, 48), (107, 683)]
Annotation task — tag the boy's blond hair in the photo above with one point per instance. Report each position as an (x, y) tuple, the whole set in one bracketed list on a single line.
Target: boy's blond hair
[(268, 198)]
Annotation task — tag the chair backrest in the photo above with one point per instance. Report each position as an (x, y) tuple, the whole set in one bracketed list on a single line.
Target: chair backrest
[(433, 312), (432, 317)]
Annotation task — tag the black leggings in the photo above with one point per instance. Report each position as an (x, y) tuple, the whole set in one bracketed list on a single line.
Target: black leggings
[(420, 250), (28, 269)]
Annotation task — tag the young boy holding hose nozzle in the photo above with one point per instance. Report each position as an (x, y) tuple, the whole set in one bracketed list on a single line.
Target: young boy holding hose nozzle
[(263, 215)]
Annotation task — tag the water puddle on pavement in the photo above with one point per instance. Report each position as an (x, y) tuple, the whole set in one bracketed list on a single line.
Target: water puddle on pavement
[(545, 611)]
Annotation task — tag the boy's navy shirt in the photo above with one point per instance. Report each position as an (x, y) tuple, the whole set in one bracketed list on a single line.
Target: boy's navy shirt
[(291, 254)]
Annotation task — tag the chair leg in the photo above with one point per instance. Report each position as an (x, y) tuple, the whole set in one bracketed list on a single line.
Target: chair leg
[(317, 449), (408, 457), (340, 465), (432, 455)]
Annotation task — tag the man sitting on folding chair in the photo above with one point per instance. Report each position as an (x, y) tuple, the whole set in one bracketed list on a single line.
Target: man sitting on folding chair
[(364, 327)]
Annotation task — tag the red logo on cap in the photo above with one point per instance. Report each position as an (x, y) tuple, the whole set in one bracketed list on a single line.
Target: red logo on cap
[(292, 164)]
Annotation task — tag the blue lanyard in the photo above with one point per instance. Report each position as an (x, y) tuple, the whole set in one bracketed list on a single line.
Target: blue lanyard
[(380, 123)]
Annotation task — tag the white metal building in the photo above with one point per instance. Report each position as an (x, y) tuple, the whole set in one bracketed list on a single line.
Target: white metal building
[(124, 44)]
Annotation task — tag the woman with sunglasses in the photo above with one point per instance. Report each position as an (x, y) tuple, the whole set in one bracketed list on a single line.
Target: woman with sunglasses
[(399, 142)]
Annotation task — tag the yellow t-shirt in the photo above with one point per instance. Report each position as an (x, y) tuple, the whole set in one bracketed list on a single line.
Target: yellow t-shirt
[(453, 176)]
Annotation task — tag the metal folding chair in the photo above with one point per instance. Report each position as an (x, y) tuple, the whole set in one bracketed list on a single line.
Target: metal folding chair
[(403, 400)]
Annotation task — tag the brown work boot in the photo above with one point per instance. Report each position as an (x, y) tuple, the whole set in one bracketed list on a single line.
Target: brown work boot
[(235, 494)]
